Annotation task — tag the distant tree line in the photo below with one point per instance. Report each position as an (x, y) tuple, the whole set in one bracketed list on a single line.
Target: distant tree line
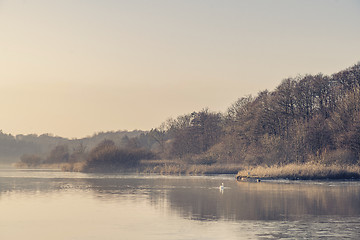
[(307, 118), (13, 147), (105, 157)]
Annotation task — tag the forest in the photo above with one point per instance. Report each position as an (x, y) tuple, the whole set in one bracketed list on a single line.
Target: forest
[(307, 118), (311, 118)]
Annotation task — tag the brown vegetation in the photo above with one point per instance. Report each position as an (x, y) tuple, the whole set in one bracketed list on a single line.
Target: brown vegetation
[(308, 119), (303, 171), (178, 167), (29, 161), (304, 118), (106, 157)]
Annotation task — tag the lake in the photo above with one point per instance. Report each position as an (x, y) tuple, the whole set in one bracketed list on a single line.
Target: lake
[(48, 204)]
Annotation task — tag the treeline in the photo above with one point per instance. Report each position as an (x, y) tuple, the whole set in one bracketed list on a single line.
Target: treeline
[(13, 147), (105, 157), (312, 118), (307, 118)]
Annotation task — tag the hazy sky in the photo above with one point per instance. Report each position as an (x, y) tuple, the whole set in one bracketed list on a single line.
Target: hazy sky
[(75, 67)]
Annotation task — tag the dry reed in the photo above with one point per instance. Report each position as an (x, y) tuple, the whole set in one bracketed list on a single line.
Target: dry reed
[(304, 171), (176, 167)]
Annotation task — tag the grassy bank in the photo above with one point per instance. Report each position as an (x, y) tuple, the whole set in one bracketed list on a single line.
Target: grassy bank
[(178, 167), (166, 167), (55, 166), (308, 171)]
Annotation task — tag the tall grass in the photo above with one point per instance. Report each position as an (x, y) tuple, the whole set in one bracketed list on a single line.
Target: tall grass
[(178, 167), (304, 171)]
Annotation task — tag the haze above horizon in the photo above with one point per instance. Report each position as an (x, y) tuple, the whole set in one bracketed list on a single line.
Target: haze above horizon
[(73, 68)]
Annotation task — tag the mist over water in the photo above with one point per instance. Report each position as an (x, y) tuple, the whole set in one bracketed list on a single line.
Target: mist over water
[(41, 204)]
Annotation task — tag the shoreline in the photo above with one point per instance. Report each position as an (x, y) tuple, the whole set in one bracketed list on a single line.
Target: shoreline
[(167, 167), (305, 171)]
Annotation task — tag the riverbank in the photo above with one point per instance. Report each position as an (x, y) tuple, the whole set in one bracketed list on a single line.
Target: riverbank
[(55, 166), (307, 171), (172, 167), (165, 167)]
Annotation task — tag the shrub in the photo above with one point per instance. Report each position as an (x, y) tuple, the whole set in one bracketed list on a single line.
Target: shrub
[(60, 154), (106, 157), (30, 160), (205, 160)]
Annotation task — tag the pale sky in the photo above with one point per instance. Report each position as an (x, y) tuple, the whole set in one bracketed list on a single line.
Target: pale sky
[(76, 67)]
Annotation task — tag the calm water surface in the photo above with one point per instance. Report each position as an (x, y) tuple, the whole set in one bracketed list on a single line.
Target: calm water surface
[(43, 204)]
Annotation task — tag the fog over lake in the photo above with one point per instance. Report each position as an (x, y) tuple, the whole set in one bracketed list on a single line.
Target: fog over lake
[(42, 204)]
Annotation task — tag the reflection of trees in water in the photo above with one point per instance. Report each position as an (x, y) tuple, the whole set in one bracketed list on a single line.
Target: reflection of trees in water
[(200, 199), (267, 201)]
